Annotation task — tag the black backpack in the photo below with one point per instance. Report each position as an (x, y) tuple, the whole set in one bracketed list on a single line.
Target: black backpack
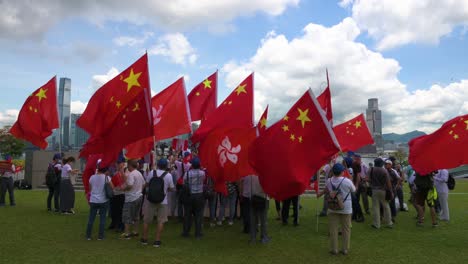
[(451, 182), (51, 176), (155, 192)]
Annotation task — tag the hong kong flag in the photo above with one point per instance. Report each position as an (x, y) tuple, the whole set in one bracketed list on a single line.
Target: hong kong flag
[(288, 153), (202, 98)]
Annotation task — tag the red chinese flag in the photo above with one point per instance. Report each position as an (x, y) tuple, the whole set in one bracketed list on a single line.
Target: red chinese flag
[(171, 118), (262, 123), (236, 111), (202, 98), (324, 99), (224, 153), (126, 101), (38, 116), (292, 150), (353, 134), (443, 149)]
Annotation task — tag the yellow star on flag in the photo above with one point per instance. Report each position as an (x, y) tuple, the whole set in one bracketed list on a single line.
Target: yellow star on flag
[(292, 137), (357, 124), (300, 139), (197, 94), (263, 122), (456, 136), (132, 80), (303, 116), (136, 108), (41, 94), (118, 104), (207, 84), (286, 118), (285, 128), (30, 108), (112, 99), (466, 122), (241, 89)]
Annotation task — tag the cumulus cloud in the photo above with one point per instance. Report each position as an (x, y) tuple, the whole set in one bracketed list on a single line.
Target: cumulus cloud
[(395, 23), (78, 107), (132, 41), (22, 19), (8, 117), (176, 48), (99, 80), (356, 74)]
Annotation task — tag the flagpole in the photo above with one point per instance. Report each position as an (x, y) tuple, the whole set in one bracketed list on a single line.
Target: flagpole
[(317, 204)]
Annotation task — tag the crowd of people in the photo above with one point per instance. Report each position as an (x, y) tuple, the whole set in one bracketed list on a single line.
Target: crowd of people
[(178, 187)]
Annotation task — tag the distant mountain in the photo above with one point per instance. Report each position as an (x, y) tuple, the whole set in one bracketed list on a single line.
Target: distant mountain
[(402, 138)]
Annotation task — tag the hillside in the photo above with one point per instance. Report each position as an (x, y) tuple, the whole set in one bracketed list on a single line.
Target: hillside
[(402, 138)]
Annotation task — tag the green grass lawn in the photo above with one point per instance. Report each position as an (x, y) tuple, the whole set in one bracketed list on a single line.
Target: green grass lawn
[(29, 234)]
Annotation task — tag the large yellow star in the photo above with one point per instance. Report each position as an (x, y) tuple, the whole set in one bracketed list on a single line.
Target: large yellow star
[(207, 84), (132, 80), (466, 122), (357, 124), (303, 116), (42, 94), (241, 89), (263, 122), (285, 128)]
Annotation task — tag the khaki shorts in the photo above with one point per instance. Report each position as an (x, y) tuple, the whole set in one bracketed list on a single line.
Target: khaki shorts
[(151, 210)]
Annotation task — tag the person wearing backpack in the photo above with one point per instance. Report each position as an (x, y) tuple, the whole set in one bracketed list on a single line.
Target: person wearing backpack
[(440, 182), (340, 210), (193, 207), (380, 184), (98, 201), (158, 184), (53, 179)]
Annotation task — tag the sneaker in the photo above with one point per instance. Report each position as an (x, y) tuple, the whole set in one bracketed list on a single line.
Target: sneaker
[(230, 223), (420, 224), (144, 242), (157, 244), (375, 227), (435, 224), (344, 252), (125, 236), (72, 212), (334, 253), (265, 240), (88, 238), (66, 213), (100, 239), (212, 224), (219, 223)]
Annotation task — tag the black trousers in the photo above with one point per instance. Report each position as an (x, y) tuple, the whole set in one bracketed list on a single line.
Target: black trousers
[(54, 192), (194, 208), (357, 210), (285, 210), (278, 205), (6, 184), (116, 204), (245, 211), (399, 193)]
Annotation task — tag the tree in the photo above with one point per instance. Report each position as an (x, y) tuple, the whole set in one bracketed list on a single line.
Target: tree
[(401, 156), (9, 144)]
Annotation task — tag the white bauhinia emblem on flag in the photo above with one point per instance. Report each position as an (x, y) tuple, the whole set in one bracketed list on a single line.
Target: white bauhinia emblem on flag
[(157, 114), (227, 152)]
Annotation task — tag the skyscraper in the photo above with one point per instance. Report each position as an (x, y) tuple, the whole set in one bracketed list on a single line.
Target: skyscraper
[(374, 122), (64, 101), (77, 135)]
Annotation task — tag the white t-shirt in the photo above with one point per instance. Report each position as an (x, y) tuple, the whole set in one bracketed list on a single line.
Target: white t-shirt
[(168, 183), (136, 180), (346, 188), (66, 169), (98, 194)]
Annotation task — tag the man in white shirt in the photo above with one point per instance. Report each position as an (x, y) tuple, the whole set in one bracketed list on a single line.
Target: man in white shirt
[(158, 210), (134, 184)]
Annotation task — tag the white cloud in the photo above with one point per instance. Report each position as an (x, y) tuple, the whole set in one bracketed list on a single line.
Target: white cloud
[(395, 23), (356, 74), (78, 107), (99, 80), (132, 41), (176, 48), (8, 117), (22, 19)]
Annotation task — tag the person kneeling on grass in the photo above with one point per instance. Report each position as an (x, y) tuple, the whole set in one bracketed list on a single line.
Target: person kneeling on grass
[(158, 183), (134, 183), (338, 194), (98, 201)]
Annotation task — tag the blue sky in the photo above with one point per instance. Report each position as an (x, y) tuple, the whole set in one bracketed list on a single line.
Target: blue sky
[(82, 48)]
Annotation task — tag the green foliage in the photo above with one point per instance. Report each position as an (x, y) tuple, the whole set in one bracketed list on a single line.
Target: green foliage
[(9, 144), (32, 235)]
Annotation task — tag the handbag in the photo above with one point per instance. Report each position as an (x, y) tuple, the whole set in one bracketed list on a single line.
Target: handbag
[(185, 192), (258, 202), (109, 193)]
